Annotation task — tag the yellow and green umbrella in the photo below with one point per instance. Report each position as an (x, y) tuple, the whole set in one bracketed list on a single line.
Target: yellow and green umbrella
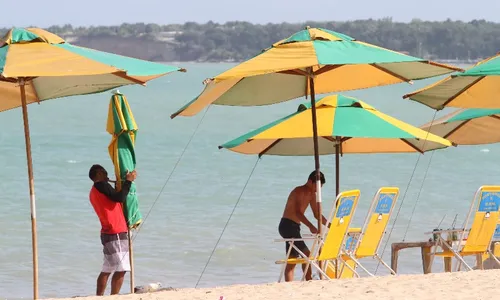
[(52, 68), (121, 125), (477, 87), (468, 126), (335, 61), (345, 126), (36, 65)]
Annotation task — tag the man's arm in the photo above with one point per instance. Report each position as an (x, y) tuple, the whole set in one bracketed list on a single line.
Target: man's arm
[(314, 208), (298, 212), (106, 189)]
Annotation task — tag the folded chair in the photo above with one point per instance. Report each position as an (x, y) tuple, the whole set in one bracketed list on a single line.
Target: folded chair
[(372, 233), (332, 239), (486, 208)]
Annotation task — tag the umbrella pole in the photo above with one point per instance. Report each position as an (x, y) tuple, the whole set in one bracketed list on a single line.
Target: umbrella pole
[(337, 170), (131, 259), (31, 187), (316, 162)]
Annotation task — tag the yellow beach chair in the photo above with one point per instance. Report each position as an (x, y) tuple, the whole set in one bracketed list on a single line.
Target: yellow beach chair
[(494, 252), (372, 233), (331, 240), (486, 204)]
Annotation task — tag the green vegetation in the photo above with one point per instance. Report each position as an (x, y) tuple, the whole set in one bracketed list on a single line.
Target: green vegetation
[(236, 41)]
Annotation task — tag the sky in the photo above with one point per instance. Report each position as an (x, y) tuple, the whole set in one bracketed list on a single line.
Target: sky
[(44, 13)]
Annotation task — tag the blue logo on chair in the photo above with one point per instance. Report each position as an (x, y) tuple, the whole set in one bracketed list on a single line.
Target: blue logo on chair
[(349, 243), (489, 202), (345, 207), (384, 203), (497, 232)]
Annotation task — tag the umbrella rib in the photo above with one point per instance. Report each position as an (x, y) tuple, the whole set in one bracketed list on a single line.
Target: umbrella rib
[(294, 72), (33, 89), (124, 75), (391, 73), (495, 117), (456, 128), (411, 145), (462, 91), (326, 68), (269, 147)]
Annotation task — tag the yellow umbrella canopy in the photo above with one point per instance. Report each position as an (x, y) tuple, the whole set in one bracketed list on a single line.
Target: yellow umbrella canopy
[(335, 61), (345, 121), (345, 125), (477, 87), (53, 68), (468, 126)]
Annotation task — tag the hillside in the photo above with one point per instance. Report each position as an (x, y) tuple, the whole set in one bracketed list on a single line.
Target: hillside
[(236, 41)]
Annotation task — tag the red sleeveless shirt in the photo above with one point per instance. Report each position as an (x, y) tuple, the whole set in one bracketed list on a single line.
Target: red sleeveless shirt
[(110, 213)]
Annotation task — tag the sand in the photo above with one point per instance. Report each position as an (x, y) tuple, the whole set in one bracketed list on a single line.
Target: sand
[(475, 285)]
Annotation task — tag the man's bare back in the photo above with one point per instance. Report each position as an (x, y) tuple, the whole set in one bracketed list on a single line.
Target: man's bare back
[(298, 201)]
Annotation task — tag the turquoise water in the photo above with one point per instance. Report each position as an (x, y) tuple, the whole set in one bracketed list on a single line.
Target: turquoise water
[(68, 135)]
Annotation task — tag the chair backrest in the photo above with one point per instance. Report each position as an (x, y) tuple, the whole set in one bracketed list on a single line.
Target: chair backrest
[(485, 219), (339, 224), (376, 221)]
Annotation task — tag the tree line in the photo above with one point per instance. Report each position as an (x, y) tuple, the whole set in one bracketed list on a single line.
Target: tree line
[(237, 41)]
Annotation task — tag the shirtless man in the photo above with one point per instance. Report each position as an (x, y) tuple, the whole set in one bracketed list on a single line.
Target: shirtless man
[(298, 201)]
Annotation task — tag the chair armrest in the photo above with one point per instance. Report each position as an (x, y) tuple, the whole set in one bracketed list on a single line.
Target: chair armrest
[(296, 240)]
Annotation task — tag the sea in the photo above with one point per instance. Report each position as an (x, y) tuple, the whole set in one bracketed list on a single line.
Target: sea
[(207, 222)]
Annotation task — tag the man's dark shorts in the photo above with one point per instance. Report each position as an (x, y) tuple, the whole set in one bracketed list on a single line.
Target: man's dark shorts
[(289, 229)]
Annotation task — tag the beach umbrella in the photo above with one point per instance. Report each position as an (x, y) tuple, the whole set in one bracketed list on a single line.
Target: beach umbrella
[(477, 87), (345, 126), (36, 65), (311, 61), (473, 126), (123, 128)]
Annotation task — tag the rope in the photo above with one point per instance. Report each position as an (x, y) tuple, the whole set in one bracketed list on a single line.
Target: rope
[(225, 226), (168, 179), (404, 195), (418, 196)]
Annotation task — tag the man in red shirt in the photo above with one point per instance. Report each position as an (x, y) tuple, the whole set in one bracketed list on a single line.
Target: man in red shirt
[(107, 203)]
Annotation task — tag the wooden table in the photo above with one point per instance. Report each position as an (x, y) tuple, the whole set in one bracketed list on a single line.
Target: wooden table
[(425, 250)]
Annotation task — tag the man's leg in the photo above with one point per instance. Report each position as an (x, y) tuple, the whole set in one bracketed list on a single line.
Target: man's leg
[(289, 270), (102, 281), (117, 282)]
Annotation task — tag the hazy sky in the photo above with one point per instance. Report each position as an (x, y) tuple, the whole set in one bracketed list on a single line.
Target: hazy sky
[(43, 13)]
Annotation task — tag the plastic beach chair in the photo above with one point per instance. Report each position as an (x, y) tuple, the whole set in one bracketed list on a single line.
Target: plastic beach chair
[(486, 208), (372, 233)]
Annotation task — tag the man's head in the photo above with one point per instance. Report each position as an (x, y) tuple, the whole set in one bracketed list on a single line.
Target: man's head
[(98, 173), (312, 179)]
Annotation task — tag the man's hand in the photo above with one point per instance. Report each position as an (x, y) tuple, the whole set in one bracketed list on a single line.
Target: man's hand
[(131, 175), (313, 229)]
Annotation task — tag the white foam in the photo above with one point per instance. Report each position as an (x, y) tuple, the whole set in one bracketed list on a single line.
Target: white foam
[(485, 150)]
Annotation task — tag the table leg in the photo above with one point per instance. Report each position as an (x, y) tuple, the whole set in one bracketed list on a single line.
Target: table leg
[(426, 259), (394, 259), (447, 264)]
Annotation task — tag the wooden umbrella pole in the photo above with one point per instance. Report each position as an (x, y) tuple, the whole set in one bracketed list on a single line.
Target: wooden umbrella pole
[(316, 154), (316, 163), (22, 83), (337, 167), (131, 259)]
